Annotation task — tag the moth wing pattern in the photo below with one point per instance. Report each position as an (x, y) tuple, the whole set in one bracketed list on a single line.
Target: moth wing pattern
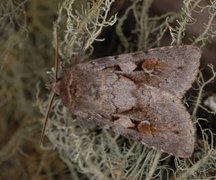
[(172, 68), (160, 121), (136, 95)]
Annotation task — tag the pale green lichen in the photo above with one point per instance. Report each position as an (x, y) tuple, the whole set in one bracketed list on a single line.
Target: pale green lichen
[(83, 25), (209, 32), (144, 26), (186, 18)]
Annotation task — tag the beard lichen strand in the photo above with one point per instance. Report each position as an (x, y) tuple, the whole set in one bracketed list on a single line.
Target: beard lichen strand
[(69, 88)]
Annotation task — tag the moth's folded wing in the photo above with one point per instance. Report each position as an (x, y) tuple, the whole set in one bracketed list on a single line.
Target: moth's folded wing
[(183, 66), (171, 68), (160, 120)]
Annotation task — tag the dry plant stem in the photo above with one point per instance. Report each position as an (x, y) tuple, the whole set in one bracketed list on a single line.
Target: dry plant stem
[(202, 85), (153, 165)]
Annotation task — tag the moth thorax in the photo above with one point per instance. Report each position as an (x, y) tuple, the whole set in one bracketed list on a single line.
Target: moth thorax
[(56, 87)]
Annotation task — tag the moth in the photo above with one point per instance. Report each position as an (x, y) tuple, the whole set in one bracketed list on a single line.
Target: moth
[(137, 95)]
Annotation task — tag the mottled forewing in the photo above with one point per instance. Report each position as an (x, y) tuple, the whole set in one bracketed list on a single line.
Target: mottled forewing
[(171, 68), (137, 95)]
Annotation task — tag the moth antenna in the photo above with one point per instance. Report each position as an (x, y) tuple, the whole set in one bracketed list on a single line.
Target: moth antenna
[(46, 118), (55, 79), (56, 52)]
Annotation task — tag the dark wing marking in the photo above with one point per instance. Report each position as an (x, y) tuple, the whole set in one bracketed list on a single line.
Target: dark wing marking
[(171, 68)]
